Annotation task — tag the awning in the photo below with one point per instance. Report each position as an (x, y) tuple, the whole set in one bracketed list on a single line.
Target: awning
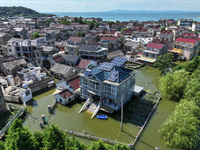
[(175, 50), (145, 59)]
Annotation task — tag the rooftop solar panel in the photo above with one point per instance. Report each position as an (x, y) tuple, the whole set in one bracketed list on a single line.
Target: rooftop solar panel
[(106, 66), (87, 73), (119, 61)]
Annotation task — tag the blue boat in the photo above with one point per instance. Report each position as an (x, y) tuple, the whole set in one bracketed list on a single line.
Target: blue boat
[(102, 117)]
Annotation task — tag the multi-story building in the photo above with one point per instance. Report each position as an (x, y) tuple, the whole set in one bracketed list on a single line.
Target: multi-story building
[(196, 26), (109, 42), (108, 83), (167, 35), (93, 51), (184, 22), (186, 47), (73, 45)]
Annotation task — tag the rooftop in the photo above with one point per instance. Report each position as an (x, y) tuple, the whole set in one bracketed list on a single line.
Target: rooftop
[(186, 40), (74, 39), (75, 82), (155, 45), (84, 63), (65, 94)]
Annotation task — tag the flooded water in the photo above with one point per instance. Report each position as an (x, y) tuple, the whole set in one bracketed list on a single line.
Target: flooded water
[(67, 117)]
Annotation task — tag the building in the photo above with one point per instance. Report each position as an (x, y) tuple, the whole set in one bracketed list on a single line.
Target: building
[(167, 35), (111, 42), (185, 22), (132, 47), (186, 47), (71, 60), (86, 63), (2, 101), (93, 51), (112, 55), (108, 83), (73, 45), (153, 50), (196, 26), (67, 91)]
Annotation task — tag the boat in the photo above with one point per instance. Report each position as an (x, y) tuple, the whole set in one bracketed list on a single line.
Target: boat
[(102, 117)]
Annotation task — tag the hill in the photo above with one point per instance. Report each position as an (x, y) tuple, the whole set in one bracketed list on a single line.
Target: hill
[(20, 11)]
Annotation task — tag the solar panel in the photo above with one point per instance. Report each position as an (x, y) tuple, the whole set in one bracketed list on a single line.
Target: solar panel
[(87, 73), (106, 66), (119, 61), (113, 76)]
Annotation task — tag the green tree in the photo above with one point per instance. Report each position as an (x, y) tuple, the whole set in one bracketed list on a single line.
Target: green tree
[(18, 137), (73, 143), (120, 147), (181, 129), (53, 138), (37, 139), (122, 30), (97, 145), (75, 19), (2, 147), (162, 29), (65, 22), (36, 35), (110, 23), (172, 85), (164, 62), (80, 20)]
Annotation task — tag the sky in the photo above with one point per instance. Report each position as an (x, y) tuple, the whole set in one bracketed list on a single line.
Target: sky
[(103, 5)]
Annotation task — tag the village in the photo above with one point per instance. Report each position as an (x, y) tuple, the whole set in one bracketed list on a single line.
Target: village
[(93, 63)]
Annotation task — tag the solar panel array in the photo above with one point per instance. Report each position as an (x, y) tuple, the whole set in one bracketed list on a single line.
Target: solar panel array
[(113, 75), (89, 47), (87, 73), (119, 61), (106, 66)]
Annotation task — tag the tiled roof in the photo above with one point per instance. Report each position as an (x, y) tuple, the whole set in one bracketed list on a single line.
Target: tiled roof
[(128, 31), (65, 94), (109, 38), (59, 59), (84, 63), (155, 45), (75, 83), (75, 39), (89, 47), (186, 40), (166, 31), (189, 34), (61, 69), (71, 58)]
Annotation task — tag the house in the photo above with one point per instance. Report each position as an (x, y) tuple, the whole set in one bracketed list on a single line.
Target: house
[(166, 35), (4, 38), (91, 37), (152, 52), (86, 63), (2, 101), (185, 23), (19, 33), (71, 60), (108, 84), (196, 26), (73, 45), (62, 71), (93, 51), (140, 33), (58, 59), (113, 54), (66, 91), (186, 47), (11, 67), (111, 42), (132, 47)]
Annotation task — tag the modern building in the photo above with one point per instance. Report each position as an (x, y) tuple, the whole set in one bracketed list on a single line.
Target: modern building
[(93, 51), (185, 22), (73, 45), (196, 26), (108, 83), (186, 47)]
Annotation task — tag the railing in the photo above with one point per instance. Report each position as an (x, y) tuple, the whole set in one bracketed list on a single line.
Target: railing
[(2, 132)]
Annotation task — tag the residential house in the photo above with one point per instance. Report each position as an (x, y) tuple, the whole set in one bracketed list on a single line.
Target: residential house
[(66, 91), (71, 60), (185, 23), (20, 33), (112, 43), (11, 67), (86, 63), (132, 47), (167, 35), (153, 50), (93, 51), (196, 26), (186, 47), (108, 84), (140, 33), (113, 54), (91, 38), (58, 59), (4, 38), (73, 45)]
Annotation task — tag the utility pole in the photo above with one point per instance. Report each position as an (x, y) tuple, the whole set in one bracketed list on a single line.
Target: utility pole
[(122, 112)]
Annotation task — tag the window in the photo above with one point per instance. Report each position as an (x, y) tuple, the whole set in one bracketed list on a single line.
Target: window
[(61, 100), (28, 92), (128, 83)]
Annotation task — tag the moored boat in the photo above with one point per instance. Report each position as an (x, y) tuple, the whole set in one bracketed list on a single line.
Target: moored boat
[(102, 117)]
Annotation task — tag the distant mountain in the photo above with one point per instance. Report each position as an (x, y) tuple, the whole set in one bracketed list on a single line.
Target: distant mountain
[(20, 11)]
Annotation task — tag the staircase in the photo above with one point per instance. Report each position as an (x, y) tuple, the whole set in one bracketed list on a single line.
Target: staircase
[(97, 109), (85, 105)]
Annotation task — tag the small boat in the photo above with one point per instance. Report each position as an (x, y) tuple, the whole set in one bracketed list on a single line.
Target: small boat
[(102, 117)]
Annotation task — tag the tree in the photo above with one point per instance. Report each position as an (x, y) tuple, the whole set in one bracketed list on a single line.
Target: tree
[(121, 147), (73, 143), (164, 62), (80, 20), (97, 146), (75, 19), (172, 85), (53, 138), (122, 30), (37, 139), (18, 137), (2, 147), (181, 129), (162, 29), (36, 35), (65, 21)]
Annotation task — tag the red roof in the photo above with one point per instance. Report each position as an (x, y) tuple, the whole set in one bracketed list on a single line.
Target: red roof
[(186, 40), (155, 45), (59, 59), (189, 34), (65, 94), (108, 38), (128, 31), (75, 82), (84, 63), (166, 31)]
